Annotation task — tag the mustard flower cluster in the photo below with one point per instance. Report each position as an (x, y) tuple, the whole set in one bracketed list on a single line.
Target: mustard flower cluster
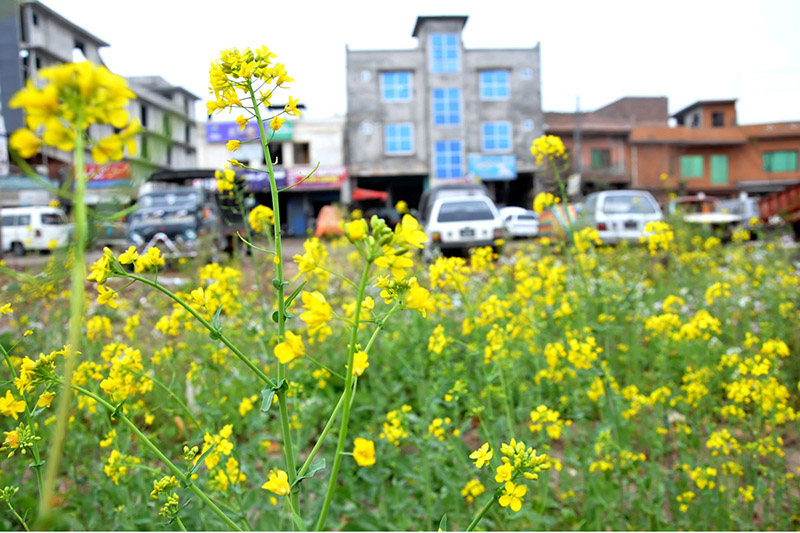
[(547, 146), (76, 96)]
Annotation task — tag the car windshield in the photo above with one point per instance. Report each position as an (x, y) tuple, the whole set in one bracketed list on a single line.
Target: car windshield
[(53, 219), (628, 204), (526, 217), (165, 199), (463, 211)]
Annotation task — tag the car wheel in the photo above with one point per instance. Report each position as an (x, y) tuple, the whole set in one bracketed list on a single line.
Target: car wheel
[(17, 249)]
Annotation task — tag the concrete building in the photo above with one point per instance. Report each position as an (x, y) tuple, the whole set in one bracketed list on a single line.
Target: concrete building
[(441, 112), (298, 146), (32, 37)]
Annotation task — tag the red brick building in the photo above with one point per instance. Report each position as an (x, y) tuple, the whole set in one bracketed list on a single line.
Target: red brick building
[(599, 141), (708, 151), (631, 143)]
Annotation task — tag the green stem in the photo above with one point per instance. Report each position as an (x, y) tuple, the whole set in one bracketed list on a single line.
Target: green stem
[(174, 397), (506, 403), (348, 386), (324, 367), (288, 450), (21, 520), (325, 431), (77, 292), (227, 342), (296, 517), (180, 523), (481, 513), (28, 418), (163, 458)]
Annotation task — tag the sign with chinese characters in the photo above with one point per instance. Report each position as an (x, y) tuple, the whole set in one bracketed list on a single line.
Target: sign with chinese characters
[(493, 167), (222, 132), (108, 175), (326, 177)]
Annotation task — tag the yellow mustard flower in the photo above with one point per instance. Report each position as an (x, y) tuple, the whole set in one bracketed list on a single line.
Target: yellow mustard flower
[(364, 452), (290, 349), (482, 455)]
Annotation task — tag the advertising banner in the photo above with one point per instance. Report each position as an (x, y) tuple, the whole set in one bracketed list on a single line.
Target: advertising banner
[(493, 167), (108, 175), (222, 132), (326, 177)]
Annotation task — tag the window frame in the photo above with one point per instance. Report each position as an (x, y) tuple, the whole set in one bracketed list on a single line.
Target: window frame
[(396, 86), (684, 169), (444, 64), (715, 169), (600, 152), (397, 138), (768, 163), (490, 88), (446, 101), (496, 136), (448, 168)]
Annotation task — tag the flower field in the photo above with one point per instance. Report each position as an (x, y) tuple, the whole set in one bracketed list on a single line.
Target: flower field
[(352, 386), (661, 388)]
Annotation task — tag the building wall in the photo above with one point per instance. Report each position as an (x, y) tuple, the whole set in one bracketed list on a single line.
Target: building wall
[(367, 115), (745, 163)]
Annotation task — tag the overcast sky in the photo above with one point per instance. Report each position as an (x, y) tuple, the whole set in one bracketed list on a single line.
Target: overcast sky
[(594, 50)]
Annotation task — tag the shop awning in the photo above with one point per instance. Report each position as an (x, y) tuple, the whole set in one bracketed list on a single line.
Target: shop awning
[(369, 194)]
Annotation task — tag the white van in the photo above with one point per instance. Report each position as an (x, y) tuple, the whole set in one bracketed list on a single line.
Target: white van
[(34, 228)]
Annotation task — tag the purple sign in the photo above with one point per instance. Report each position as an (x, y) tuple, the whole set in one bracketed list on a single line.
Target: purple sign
[(259, 181), (222, 132)]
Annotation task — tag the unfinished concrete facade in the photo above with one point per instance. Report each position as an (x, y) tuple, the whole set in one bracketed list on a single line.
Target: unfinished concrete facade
[(441, 112)]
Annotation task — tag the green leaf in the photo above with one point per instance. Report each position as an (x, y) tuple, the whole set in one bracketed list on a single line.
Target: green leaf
[(294, 294), (443, 523), (269, 393), (215, 323), (278, 284), (315, 466), (117, 410), (37, 465), (196, 466)]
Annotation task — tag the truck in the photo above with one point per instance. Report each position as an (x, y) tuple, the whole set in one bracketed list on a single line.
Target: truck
[(782, 206)]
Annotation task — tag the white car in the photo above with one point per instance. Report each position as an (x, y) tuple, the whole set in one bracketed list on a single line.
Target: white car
[(520, 222), (457, 223), (34, 228), (620, 215)]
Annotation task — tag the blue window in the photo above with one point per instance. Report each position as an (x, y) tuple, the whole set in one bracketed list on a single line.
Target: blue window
[(448, 161), (447, 107), (496, 136), (444, 52), (494, 85), (396, 86), (399, 138)]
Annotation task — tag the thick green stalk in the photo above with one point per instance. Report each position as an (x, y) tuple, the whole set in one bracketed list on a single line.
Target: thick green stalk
[(288, 449), (348, 391), (77, 294), (163, 458)]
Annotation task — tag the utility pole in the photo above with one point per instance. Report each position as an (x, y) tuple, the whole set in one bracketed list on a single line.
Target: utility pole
[(576, 163)]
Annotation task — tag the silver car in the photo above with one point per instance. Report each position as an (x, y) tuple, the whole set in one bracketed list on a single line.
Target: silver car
[(620, 215)]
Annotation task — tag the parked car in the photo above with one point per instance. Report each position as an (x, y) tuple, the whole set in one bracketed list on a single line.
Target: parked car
[(34, 228), (457, 223), (519, 222), (620, 215), (449, 190), (178, 220)]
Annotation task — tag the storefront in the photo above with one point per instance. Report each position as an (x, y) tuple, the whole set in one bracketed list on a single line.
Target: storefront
[(310, 191)]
